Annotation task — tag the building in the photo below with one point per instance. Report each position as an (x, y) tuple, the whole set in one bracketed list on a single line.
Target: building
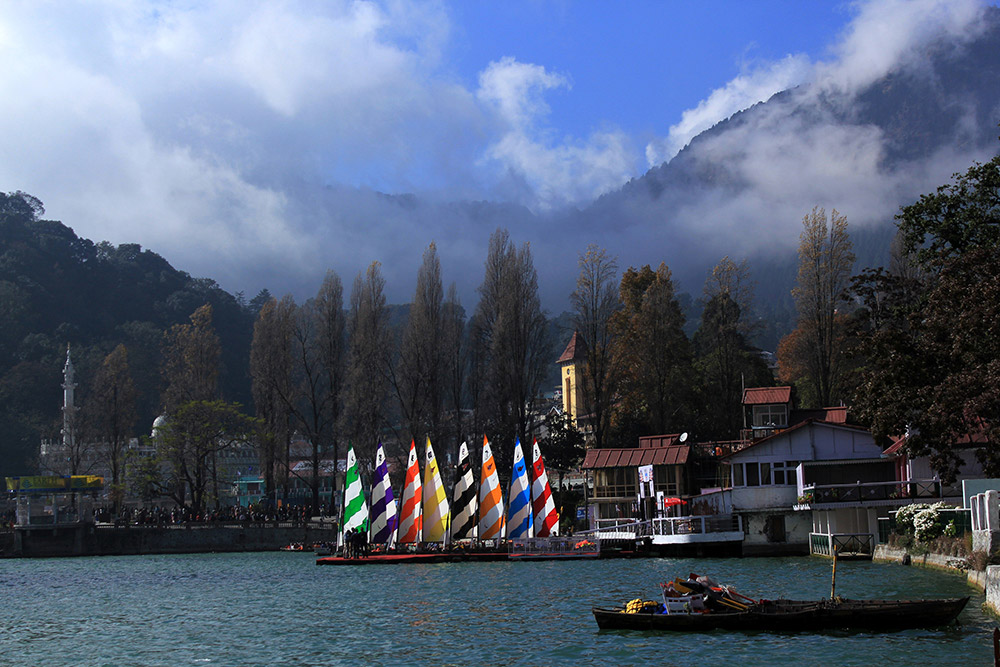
[(571, 364), (616, 495)]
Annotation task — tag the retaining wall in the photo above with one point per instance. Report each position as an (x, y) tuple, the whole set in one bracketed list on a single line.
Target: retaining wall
[(107, 541)]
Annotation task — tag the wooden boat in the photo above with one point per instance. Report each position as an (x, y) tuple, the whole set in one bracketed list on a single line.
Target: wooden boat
[(792, 615)]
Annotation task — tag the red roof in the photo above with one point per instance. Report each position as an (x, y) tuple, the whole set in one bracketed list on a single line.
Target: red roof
[(659, 440), (575, 349), (832, 415), (632, 457), (766, 395)]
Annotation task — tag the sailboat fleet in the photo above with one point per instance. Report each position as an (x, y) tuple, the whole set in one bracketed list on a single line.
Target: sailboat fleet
[(425, 514)]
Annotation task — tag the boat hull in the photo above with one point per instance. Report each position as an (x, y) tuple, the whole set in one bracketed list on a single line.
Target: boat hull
[(796, 615)]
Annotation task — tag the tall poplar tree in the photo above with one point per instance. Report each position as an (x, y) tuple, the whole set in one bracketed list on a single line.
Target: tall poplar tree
[(826, 259), (595, 301)]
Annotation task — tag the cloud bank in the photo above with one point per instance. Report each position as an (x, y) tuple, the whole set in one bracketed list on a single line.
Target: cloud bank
[(249, 141)]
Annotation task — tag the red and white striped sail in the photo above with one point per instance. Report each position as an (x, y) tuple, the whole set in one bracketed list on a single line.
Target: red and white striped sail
[(546, 517), (490, 498), (411, 519)]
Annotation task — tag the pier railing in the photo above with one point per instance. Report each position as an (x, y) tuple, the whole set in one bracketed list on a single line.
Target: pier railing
[(845, 544), (697, 525)]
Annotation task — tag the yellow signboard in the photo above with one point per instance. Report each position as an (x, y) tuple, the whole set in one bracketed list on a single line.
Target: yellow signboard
[(55, 483)]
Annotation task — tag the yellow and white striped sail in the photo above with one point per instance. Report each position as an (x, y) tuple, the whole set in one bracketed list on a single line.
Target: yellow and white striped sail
[(490, 498), (435, 499)]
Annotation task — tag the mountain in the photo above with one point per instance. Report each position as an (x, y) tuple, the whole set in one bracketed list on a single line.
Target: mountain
[(57, 289)]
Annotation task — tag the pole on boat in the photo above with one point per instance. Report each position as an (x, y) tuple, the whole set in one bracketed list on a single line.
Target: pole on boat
[(833, 582)]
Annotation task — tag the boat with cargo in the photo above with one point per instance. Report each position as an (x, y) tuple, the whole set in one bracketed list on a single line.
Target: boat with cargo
[(698, 604)]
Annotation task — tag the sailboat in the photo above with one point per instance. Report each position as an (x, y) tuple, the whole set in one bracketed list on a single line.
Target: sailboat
[(546, 517), (490, 498), (383, 523), (411, 516), (463, 523), (436, 514), (355, 508), (519, 516)]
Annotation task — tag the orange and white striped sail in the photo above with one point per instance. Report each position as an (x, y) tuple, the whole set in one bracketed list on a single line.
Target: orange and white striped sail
[(490, 498), (410, 516), (436, 513), (546, 517)]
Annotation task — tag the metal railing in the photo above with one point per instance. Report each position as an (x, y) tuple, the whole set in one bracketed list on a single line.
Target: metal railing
[(861, 492), (697, 525), (844, 543)]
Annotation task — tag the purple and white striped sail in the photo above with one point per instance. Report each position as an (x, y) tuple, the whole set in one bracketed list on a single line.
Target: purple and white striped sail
[(383, 526)]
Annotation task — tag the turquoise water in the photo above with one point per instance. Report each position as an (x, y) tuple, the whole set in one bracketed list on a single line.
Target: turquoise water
[(281, 609)]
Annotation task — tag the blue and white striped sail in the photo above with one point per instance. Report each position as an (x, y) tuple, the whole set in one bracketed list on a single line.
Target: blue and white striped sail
[(383, 528), (519, 515)]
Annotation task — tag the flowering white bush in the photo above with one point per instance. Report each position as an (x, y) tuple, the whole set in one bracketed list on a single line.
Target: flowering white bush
[(928, 522), (905, 516)]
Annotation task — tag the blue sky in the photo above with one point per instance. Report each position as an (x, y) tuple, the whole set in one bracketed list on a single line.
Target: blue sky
[(241, 139)]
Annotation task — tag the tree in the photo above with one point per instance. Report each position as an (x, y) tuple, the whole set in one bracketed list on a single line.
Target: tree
[(510, 332), (271, 380), (654, 354), (111, 416), (563, 445), (455, 360), (934, 362), (418, 376), (825, 263), (195, 433), (595, 301), (191, 361), (369, 361)]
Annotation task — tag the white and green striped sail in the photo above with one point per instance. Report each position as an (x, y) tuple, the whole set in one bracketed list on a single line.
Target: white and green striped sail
[(355, 509)]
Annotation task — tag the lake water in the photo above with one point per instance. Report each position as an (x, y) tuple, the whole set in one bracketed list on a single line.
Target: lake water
[(281, 609)]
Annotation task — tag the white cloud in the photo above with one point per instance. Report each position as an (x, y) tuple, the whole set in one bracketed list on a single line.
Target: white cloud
[(740, 93), (562, 170)]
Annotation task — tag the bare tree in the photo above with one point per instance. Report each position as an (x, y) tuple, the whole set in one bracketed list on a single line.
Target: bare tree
[(369, 357), (826, 260), (111, 416), (511, 333), (454, 362), (418, 377), (271, 375), (595, 300)]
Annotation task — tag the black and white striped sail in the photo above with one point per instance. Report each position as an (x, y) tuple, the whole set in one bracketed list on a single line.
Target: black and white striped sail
[(463, 520)]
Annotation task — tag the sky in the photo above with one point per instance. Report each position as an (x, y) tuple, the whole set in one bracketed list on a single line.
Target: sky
[(244, 141)]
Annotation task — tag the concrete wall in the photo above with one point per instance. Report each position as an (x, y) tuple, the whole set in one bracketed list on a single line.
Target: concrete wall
[(104, 541)]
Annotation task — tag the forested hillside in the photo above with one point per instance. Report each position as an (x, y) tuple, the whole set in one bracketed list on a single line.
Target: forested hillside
[(57, 289)]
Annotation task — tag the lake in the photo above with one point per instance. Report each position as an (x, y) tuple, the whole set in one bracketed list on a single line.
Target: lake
[(281, 609)]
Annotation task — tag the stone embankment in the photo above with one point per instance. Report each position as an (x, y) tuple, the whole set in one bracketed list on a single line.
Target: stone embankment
[(988, 581), (104, 540)]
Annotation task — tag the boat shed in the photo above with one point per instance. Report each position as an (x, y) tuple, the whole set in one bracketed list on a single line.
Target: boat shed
[(616, 477)]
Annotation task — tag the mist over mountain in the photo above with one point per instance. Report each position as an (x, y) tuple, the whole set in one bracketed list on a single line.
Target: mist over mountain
[(861, 136)]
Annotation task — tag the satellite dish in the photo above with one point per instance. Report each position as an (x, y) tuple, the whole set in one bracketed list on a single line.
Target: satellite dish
[(683, 438)]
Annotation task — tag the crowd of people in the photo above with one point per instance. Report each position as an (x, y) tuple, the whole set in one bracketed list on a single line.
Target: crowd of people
[(356, 543), (162, 516)]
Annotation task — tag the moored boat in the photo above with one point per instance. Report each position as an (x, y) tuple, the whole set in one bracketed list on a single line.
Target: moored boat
[(692, 607)]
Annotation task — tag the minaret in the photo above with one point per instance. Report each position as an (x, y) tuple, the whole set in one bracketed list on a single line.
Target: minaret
[(69, 406)]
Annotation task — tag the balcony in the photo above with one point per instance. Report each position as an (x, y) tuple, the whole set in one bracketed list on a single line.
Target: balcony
[(867, 493), (853, 545)]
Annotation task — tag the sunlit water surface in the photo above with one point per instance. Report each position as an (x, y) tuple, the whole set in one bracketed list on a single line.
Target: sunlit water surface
[(281, 609)]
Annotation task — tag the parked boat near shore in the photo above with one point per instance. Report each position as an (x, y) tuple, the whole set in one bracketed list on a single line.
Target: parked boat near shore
[(698, 605)]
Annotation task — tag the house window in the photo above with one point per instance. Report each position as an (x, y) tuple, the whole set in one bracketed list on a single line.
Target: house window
[(774, 527), (770, 415), (737, 474), (784, 472), (753, 474), (569, 396)]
